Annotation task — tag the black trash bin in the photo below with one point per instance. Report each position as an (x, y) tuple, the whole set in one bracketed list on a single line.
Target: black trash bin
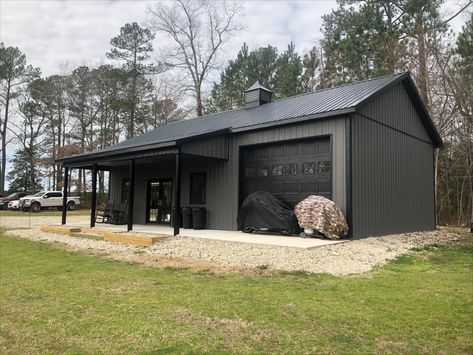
[(186, 217), (199, 217)]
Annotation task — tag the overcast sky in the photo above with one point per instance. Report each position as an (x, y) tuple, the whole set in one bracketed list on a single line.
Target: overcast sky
[(52, 33), (59, 35)]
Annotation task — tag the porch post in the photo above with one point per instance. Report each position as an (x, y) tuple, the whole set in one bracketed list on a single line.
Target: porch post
[(177, 193), (131, 194), (64, 195), (94, 196)]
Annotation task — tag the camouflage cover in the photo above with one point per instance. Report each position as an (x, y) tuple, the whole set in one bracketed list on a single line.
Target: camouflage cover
[(323, 215)]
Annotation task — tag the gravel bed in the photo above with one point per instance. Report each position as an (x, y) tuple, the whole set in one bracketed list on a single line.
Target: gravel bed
[(352, 257)]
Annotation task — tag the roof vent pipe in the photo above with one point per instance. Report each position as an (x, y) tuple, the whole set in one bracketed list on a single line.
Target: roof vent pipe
[(257, 95)]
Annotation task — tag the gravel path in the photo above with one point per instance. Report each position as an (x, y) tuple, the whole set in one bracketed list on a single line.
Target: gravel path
[(353, 257)]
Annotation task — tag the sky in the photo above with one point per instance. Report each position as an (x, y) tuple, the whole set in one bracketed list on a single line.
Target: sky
[(60, 35), (52, 33)]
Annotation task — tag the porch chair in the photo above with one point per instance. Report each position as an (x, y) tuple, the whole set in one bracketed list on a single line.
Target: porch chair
[(104, 213)]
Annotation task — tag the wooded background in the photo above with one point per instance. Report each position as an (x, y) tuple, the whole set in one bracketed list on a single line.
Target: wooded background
[(89, 108)]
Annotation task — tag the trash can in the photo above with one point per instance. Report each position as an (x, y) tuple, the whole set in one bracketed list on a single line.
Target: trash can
[(199, 217), (186, 217)]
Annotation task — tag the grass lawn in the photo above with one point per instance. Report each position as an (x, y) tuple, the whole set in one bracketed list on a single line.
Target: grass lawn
[(54, 301)]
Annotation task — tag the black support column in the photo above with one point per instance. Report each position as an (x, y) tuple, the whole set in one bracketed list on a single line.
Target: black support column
[(64, 195), (131, 195), (93, 206), (177, 193)]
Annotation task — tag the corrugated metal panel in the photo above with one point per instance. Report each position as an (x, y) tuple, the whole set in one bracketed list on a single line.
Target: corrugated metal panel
[(392, 184), (224, 178), (216, 147), (395, 109)]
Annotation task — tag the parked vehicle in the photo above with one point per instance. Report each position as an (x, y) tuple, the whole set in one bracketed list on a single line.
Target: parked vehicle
[(14, 205), (264, 212), (4, 201), (47, 199)]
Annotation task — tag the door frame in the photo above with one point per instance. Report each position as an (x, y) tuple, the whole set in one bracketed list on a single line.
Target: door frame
[(148, 188)]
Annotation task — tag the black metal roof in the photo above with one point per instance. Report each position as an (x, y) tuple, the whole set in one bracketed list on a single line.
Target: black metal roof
[(329, 102)]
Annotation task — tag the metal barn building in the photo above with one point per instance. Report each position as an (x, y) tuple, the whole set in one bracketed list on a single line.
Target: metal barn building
[(368, 146)]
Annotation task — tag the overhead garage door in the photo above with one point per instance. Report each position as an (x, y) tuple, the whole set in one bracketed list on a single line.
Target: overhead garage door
[(291, 171)]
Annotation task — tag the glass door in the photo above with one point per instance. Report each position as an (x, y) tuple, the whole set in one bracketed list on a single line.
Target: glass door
[(159, 201)]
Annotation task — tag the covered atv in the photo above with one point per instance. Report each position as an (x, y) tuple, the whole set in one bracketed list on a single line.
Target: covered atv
[(320, 214), (264, 212)]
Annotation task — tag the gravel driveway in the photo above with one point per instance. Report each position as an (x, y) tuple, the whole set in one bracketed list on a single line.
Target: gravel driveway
[(352, 257)]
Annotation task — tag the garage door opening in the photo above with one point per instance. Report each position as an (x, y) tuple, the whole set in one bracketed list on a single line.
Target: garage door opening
[(291, 171)]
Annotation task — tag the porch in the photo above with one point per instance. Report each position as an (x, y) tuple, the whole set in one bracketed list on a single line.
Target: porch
[(148, 186)]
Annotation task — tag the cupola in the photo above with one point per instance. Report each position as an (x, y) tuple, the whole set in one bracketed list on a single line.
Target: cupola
[(257, 95)]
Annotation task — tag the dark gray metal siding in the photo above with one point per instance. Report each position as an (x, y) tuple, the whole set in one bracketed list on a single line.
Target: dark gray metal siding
[(223, 175), (395, 109), (223, 178), (392, 168), (215, 147)]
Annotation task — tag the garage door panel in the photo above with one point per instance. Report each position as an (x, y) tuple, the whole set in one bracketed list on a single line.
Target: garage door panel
[(291, 171)]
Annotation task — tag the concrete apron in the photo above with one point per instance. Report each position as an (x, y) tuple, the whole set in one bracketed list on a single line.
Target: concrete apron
[(229, 236)]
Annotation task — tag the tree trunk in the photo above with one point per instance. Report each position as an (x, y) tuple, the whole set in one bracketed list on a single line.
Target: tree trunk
[(199, 106), (4, 139), (422, 61)]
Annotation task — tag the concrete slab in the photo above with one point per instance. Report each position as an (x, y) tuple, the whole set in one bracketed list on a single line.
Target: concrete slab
[(230, 236)]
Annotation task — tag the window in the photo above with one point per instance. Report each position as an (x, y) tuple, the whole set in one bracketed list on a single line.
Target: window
[(277, 170), (125, 190), (262, 171), (308, 168), (291, 169), (323, 166), (53, 194), (197, 188)]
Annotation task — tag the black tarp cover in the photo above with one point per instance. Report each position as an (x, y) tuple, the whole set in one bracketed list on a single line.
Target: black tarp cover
[(264, 211)]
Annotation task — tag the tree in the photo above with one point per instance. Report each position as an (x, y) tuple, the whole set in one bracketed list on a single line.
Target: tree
[(285, 74), (23, 176), (289, 69), (240, 74), (199, 30), (133, 46), (14, 73), (361, 40)]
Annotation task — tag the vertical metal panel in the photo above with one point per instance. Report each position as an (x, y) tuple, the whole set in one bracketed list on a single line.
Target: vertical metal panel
[(395, 109), (223, 178), (215, 147), (392, 180)]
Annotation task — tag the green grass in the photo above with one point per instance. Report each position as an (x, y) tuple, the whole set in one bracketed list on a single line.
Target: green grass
[(54, 301)]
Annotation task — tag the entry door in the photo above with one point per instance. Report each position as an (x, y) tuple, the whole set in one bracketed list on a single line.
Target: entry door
[(159, 201)]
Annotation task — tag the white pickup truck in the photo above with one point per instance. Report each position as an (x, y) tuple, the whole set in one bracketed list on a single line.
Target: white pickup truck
[(47, 199)]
